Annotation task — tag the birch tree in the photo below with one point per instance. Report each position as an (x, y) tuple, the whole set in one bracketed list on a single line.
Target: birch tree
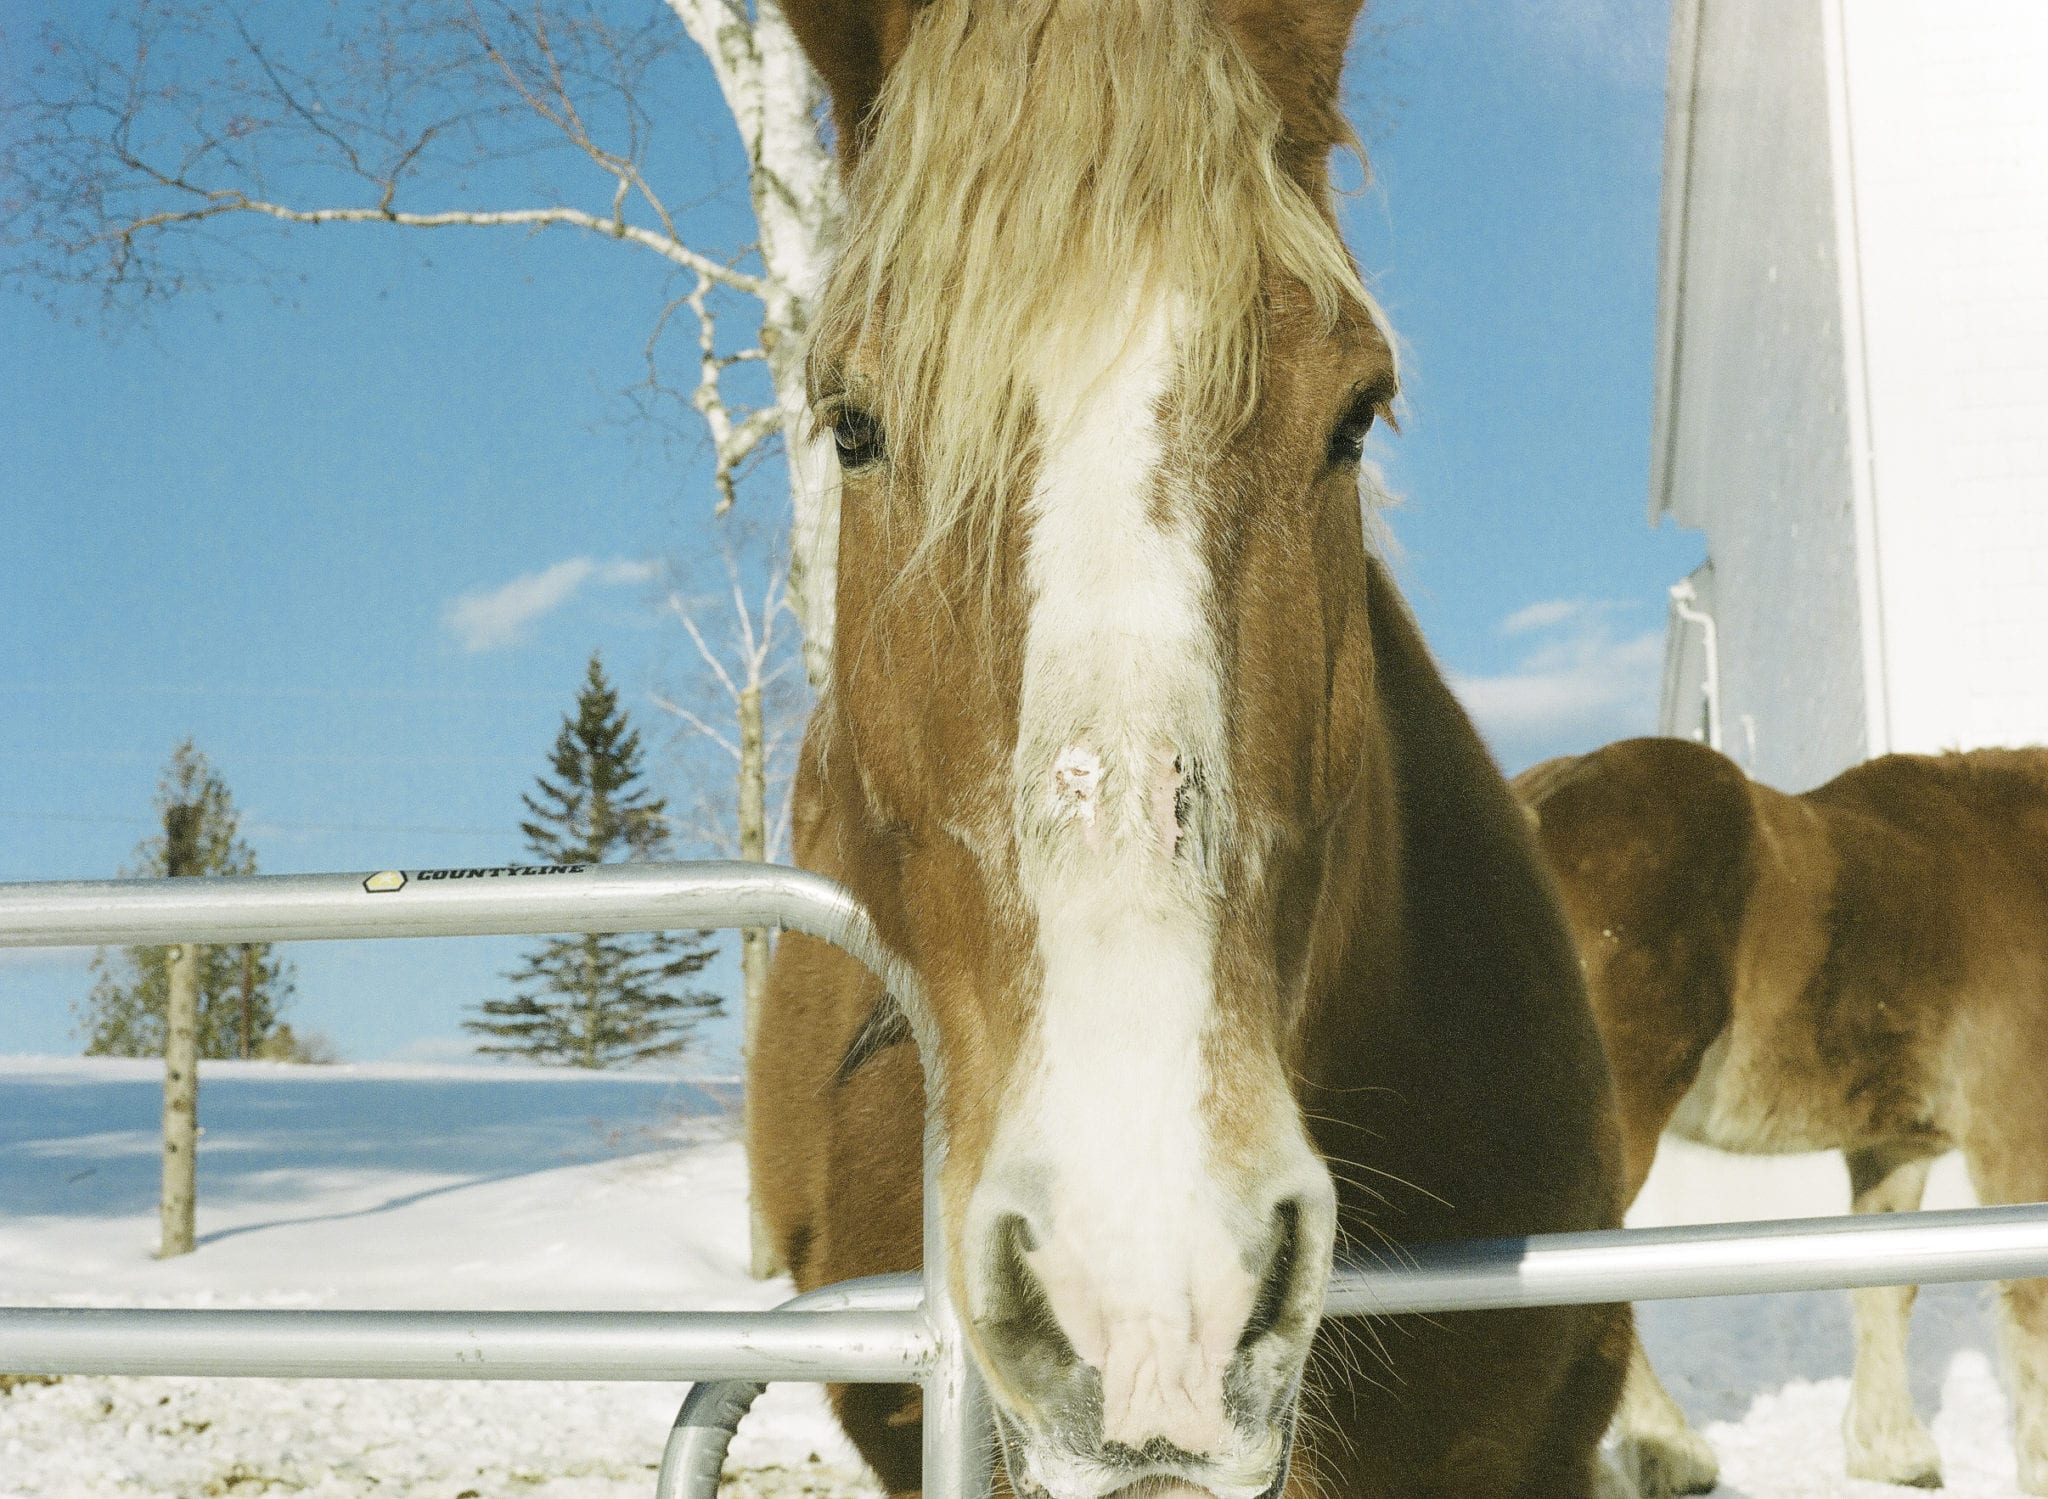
[(138, 156), (741, 704), (741, 700)]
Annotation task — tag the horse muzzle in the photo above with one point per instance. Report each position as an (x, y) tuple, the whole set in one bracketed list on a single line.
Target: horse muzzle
[(1047, 1466), (1158, 1369)]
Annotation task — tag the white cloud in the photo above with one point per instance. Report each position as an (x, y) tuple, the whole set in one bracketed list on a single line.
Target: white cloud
[(486, 619), (645, 570), (1550, 614), (1544, 614), (1580, 682)]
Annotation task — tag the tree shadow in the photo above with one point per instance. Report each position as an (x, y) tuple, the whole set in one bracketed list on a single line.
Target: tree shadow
[(390, 1204), (93, 1151), (1716, 1355)]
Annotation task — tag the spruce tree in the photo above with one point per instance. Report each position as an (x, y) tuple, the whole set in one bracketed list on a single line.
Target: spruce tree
[(598, 1000), (243, 987)]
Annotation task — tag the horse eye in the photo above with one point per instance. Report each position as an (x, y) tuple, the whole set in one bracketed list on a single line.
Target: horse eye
[(1347, 443), (858, 439)]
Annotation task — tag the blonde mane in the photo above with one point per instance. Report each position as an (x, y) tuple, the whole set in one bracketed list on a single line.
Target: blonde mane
[(1034, 169)]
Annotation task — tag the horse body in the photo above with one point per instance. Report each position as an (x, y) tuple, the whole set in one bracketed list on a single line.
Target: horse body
[(1861, 968), (1220, 936)]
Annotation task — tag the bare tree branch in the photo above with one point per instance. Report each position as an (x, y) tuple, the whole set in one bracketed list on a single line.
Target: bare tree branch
[(230, 201), (118, 135), (731, 442), (710, 658), (670, 706), (133, 152), (741, 655)]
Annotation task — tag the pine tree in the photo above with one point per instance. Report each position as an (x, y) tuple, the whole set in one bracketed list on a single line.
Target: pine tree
[(243, 988), (598, 1000)]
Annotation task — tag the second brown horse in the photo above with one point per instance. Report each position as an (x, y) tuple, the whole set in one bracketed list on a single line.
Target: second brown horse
[(1862, 968)]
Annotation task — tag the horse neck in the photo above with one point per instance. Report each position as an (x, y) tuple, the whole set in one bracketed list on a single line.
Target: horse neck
[(1437, 920)]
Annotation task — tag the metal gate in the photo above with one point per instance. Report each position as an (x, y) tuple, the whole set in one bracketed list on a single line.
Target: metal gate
[(889, 1330)]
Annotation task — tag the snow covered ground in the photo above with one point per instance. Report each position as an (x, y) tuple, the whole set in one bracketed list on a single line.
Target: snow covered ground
[(1766, 1377), (392, 1186), (378, 1186)]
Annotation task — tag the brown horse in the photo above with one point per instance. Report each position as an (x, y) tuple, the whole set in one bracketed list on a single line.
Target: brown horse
[(1224, 940), (1861, 968)]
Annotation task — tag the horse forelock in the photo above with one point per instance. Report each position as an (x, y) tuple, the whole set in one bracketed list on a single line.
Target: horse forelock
[(1035, 171)]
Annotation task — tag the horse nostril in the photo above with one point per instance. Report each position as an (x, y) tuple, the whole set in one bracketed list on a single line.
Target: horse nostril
[(1009, 1276), (1016, 1322), (1270, 1309)]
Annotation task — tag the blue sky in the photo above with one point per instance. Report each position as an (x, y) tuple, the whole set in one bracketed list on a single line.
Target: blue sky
[(356, 527)]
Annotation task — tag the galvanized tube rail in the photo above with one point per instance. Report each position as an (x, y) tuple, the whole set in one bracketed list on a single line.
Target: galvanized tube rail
[(1733, 1259), (492, 901), (694, 1455), (899, 1329), (879, 1347), (875, 1332), (1721, 1259), (883, 1343)]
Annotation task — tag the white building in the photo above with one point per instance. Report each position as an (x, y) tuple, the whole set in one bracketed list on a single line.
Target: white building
[(1852, 377)]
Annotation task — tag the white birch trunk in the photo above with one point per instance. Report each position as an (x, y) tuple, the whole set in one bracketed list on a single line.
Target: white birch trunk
[(775, 100), (799, 206), (764, 1256), (177, 1205)]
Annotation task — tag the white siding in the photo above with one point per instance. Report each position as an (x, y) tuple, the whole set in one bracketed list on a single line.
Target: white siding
[(1753, 427), (1949, 119)]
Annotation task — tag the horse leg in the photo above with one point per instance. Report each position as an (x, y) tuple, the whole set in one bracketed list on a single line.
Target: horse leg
[(1573, 1464), (1609, 1482), (2023, 1334), (1657, 1020), (1658, 1450), (1884, 1436), (2012, 1167), (1656, 1447)]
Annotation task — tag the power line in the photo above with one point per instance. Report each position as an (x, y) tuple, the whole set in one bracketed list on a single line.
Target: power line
[(239, 757), (362, 694), (258, 824)]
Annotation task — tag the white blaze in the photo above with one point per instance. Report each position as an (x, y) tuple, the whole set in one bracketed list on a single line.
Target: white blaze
[(1120, 701)]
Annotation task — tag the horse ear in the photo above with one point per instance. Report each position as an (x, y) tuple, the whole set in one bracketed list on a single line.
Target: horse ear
[(852, 44), (1296, 46), (1297, 49)]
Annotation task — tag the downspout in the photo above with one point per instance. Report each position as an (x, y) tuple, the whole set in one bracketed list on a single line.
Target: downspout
[(1684, 600)]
